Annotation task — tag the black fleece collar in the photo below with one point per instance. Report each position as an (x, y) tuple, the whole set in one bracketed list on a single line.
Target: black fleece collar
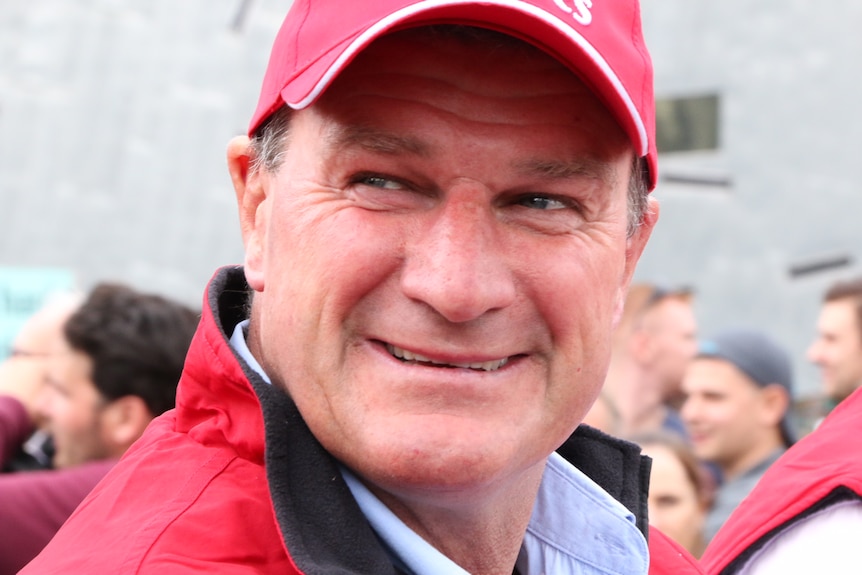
[(322, 525)]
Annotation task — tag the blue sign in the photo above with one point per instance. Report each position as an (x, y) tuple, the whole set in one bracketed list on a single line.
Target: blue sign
[(22, 293)]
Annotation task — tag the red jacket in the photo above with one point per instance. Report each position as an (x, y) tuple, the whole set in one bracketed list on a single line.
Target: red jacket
[(232, 481), (821, 469)]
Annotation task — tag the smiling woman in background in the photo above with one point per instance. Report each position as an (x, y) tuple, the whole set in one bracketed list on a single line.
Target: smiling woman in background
[(680, 490)]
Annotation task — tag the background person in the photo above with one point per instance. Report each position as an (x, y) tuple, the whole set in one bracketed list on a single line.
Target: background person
[(837, 349), (806, 512), (653, 343), (603, 416), (738, 397), (439, 232), (680, 489), (22, 381), (115, 367)]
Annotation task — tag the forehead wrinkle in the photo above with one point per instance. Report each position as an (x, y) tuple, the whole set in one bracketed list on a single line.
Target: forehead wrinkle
[(378, 141)]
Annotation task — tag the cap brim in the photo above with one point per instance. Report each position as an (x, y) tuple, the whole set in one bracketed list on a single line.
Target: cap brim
[(513, 17)]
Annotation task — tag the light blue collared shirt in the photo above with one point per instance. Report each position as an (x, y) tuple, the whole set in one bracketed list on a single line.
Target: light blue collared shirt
[(576, 527), (237, 342)]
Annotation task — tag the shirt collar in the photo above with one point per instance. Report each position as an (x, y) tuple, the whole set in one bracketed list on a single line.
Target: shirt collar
[(239, 345), (576, 527)]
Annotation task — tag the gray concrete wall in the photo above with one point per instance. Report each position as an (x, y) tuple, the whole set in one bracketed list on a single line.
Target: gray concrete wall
[(789, 78), (114, 118)]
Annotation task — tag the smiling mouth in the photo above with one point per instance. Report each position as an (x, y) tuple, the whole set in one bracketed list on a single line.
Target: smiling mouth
[(410, 357)]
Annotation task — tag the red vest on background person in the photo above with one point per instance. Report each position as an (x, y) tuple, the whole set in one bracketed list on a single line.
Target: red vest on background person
[(821, 469)]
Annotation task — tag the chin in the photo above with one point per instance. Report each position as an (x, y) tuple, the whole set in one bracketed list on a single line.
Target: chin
[(455, 480), (454, 468)]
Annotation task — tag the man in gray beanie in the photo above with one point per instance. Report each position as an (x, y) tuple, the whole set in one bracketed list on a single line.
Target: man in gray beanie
[(737, 412)]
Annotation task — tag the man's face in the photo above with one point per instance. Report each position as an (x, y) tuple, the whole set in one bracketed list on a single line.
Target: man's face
[(439, 262), (723, 412), (672, 327), (24, 373), (72, 407), (837, 351)]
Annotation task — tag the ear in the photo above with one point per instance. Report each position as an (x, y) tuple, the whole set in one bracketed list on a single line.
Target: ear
[(638, 240), (250, 186), (775, 403), (123, 421), (635, 245)]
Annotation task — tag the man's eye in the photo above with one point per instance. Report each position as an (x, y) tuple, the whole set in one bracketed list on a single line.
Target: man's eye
[(380, 182), (542, 203)]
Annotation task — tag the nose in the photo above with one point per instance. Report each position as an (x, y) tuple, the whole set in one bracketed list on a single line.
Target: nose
[(688, 411), (44, 404), (455, 263)]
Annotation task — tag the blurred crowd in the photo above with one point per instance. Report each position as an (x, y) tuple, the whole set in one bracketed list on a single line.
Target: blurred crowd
[(715, 411), (89, 371)]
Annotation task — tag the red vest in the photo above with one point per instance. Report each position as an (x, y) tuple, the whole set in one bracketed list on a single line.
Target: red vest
[(821, 469)]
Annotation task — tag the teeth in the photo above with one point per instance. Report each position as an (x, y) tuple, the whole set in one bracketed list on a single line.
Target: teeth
[(405, 355)]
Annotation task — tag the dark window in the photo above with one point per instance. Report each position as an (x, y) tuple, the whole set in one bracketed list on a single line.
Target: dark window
[(684, 124)]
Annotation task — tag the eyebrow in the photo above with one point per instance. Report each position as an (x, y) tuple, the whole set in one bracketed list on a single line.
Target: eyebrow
[(20, 352), (582, 167), (378, 141)]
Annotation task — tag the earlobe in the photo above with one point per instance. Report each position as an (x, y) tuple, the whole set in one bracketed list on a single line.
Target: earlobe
[(619, 306), (249, 186), (638, 240)]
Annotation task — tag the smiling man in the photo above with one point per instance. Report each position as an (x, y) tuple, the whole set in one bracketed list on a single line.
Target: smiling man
[(738, 412), (441, 220), (837, 349), (806, 511)]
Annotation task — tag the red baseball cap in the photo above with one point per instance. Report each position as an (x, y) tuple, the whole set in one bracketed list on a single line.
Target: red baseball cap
[(599, 40)]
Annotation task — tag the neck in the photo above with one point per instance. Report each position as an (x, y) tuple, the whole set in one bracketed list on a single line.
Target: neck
[(483, 532), (750, 459)]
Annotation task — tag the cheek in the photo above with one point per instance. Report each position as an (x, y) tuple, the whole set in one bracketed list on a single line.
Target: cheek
[(310, 246), (737, 417), (691, 518), (712, 412), (60, 409), (717, 419), (576, 296), (73, 417), (580, 332), (682, 515), (322, 268), (664, 518), (64, 421)]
